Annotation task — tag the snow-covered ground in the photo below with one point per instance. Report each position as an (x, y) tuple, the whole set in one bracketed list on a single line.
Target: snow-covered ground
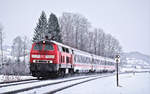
[(7, 78), (138, 83), (42, 82), (129, 84)]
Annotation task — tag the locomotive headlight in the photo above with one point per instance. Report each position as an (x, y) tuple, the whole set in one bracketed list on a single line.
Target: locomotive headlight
[(50, 61), (35, 56), (49, 56), (34, 61)]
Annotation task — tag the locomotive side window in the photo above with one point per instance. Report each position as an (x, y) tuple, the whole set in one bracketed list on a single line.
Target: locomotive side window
[(49, 47), (63, 49), (67, 50), (60, 48), (38, 46)]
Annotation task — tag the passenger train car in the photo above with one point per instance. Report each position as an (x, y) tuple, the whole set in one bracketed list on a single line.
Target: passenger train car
[(49, 58)]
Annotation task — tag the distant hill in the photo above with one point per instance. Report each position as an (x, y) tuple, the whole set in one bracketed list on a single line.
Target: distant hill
[(137, 55)]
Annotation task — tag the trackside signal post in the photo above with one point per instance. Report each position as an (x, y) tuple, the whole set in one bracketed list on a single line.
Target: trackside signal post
[(117, 59)]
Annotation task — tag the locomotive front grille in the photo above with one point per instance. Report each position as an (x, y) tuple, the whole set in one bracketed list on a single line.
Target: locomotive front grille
[(42, 61)]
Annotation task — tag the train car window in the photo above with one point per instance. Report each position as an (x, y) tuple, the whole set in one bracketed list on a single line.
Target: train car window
[(106, 63), (94, 61), (103, 62), (109, 63), (99, 61), (84, 60), (75, 58), (70, 51), (88, 60), (78, 58), (49, 47), (81, 59), (113, 63), (38, 46)]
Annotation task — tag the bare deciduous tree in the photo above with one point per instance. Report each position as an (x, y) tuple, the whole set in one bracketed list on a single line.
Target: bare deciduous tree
[(76, 33), (17, 48), (1, 43)]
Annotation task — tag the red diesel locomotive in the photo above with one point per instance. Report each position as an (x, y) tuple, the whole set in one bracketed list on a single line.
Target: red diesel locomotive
[(48, 58)]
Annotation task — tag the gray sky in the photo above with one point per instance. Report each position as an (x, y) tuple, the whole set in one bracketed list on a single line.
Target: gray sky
[(127, 20)]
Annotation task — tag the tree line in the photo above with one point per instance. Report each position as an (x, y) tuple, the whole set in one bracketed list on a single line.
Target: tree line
[(76, 31)]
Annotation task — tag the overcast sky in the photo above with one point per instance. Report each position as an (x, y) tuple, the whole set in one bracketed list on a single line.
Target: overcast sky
[(127, 20)]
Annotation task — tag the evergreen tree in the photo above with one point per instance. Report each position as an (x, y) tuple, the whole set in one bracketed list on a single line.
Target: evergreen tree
[(54, 29), (41, 28)]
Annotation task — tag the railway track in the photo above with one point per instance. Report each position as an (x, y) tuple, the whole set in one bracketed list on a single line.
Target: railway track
[(74, 84), (11, 83), (18, 83), (52, 85)]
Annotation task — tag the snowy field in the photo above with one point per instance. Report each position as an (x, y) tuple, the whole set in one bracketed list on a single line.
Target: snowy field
[(129, 84), (138, 83)]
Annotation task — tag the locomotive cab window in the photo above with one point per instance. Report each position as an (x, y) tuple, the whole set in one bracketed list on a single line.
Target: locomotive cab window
[(63, 48), (49, 47), (38, 46)]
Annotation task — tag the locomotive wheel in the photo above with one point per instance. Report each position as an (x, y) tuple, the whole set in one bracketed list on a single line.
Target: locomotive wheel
[(63, 73)]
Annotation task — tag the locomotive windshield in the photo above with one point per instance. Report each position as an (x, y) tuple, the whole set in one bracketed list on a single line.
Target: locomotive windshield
[(48, 47), (38, 46)]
